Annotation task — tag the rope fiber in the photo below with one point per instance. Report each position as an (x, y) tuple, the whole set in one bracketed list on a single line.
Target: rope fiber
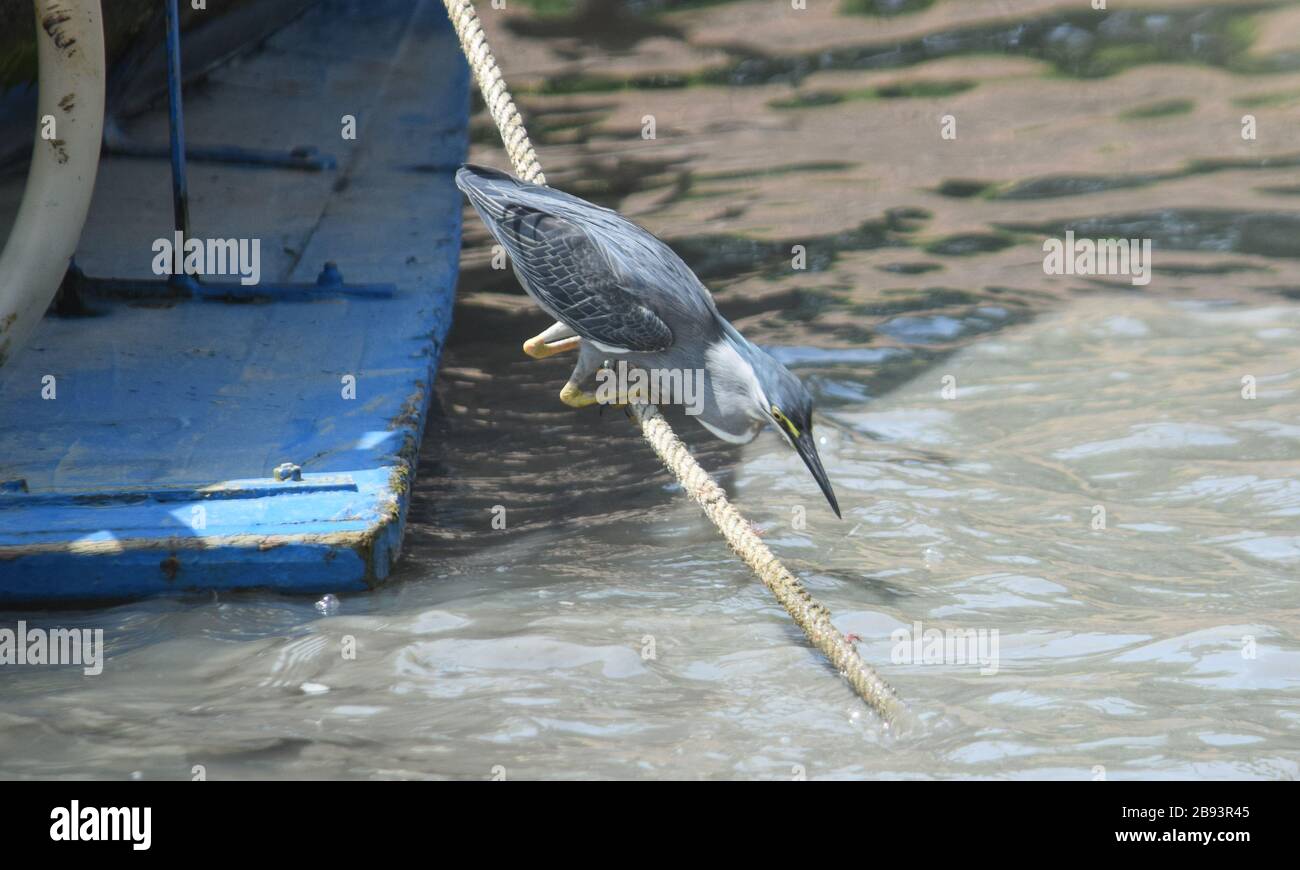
[(807, 612)]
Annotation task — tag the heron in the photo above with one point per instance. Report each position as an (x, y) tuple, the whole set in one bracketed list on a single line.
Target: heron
[(618, 293)]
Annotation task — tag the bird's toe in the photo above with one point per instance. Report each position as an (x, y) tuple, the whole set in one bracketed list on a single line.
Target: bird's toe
[(575, 397)]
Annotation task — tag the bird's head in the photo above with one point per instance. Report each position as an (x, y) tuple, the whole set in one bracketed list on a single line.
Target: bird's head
[(788, 406)]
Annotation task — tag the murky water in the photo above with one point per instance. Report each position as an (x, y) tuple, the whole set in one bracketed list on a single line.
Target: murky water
[(1096, 481)]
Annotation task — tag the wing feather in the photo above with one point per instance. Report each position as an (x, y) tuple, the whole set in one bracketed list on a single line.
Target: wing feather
[(569, 274)]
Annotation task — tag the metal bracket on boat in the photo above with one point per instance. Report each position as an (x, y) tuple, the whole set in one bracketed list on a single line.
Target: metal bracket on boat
[(287, 471), (329, 282)]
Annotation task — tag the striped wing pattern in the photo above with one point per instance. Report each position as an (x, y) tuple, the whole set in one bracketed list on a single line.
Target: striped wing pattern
[(572, 278)]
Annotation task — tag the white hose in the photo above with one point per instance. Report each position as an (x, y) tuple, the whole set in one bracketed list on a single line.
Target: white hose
[(69, 127)]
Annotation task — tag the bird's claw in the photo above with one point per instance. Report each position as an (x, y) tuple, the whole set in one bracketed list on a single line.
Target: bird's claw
[(573, 396), (539, 348), (557, 338)]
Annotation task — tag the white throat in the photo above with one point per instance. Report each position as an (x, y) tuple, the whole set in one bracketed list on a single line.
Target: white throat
[(736, 393)]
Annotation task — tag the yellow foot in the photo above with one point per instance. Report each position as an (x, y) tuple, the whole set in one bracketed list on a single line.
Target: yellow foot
[(574, 397), (538, 348)]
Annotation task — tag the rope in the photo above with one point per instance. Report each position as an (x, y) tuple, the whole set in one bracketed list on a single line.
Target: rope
[(807, 612), (499, 104)]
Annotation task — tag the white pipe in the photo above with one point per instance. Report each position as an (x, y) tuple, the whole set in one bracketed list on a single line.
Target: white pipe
[(69, 128)]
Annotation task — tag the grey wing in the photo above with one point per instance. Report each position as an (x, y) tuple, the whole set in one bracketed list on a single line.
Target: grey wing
[(574, 280)]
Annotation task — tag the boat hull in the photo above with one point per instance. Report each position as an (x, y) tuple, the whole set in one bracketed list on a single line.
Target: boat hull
[(140, 438)]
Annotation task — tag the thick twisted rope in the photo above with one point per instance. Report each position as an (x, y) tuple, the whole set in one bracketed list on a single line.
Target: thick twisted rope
[(807, 612), (495, 94)]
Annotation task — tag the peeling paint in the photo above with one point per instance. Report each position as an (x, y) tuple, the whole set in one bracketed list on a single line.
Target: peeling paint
[(352, 540), (53, 26)]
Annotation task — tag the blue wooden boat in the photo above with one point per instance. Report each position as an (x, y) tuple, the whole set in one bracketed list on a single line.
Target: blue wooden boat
[(163, 437)]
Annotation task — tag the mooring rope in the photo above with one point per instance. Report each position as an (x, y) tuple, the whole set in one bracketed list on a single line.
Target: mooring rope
[(807, 612)]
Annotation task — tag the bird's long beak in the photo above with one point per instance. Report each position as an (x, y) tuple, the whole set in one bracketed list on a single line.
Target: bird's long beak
[(808, 452)]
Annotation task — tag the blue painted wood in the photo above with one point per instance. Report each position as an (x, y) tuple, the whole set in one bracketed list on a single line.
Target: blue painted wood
[(150, 471)]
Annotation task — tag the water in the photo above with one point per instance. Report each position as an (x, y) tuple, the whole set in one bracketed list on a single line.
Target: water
[(1072, 466)]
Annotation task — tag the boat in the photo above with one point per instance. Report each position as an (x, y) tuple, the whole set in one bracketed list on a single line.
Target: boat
[(134, 53), (183, 434)]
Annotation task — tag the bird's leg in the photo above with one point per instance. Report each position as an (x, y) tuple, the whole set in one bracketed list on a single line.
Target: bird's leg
[(590, 366), (573, 394), (557, 339), (624, 395)]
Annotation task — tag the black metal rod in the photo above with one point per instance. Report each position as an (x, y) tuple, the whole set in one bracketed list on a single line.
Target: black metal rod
[(176, 122)]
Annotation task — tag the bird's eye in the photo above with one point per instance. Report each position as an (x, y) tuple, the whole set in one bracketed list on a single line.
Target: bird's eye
[(785, 421)]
